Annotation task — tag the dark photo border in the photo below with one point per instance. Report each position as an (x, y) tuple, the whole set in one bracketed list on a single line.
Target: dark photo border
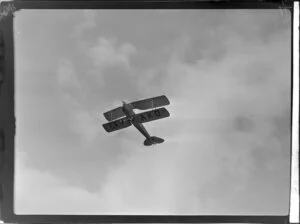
[(7, 107)]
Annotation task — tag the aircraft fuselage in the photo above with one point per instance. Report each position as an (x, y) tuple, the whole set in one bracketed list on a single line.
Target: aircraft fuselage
[(127, 109)]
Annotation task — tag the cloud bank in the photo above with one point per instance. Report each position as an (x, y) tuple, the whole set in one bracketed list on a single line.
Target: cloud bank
[(227, 140)]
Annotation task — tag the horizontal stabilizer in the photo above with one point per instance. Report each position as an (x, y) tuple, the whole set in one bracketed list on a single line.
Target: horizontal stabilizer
[(153, 140), (150, 103), (114, 114), (117, 125), (151, 115)]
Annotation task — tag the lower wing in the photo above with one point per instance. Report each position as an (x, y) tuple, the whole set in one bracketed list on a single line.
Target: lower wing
[(146, 104), (151, 115), (117, 125), (114, 114)]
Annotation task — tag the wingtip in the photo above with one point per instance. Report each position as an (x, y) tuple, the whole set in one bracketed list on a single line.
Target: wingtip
[(167, 99), (168, 113), (106, 116)]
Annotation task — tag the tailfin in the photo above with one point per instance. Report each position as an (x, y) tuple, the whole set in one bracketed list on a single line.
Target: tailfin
[(153, 140)]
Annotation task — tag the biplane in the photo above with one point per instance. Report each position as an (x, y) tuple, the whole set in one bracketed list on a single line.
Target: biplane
[(124, 116)]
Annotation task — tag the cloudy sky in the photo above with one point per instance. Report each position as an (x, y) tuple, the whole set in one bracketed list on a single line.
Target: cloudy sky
[(227, 141)]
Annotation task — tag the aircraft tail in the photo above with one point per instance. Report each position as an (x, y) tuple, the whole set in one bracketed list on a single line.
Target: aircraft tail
[(153, 140)]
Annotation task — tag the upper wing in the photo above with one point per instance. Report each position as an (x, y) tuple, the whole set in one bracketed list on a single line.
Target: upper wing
[(151, 115), (117, 125), (114, 114), (146, 104)]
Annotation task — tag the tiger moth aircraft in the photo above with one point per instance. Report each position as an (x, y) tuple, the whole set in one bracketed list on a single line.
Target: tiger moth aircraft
[(124, 116)]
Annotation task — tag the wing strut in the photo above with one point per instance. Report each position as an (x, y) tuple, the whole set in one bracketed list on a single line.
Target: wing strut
[(153, 104)]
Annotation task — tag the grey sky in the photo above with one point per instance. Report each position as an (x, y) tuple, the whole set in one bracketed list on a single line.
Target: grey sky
[(227, 75)]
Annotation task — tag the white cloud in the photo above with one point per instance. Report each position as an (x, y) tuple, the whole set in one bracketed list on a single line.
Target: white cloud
[(81, 120), (164, 182), (68, 82), (107, 53), (88, 23), (85, 124), (66, 74), (148, 189), (41, 192), (244, 81)]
